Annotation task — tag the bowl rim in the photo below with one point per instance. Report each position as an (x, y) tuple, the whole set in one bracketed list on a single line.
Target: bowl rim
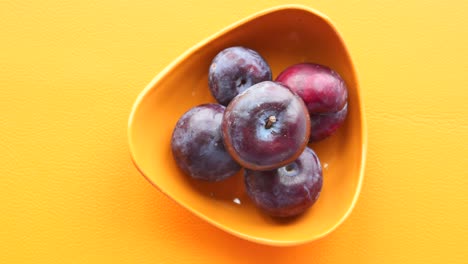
[(198, 46)]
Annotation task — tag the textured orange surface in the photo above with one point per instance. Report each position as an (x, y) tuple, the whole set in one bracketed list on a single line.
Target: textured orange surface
[(69, 193)]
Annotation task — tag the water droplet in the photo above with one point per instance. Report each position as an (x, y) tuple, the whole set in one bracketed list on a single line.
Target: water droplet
[(236, 201), (325, 166)]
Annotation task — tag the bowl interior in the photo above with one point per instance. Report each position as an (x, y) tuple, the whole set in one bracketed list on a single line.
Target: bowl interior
[(283, 36)]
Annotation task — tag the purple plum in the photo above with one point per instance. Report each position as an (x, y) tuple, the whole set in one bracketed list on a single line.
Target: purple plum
[(266, 127), (235, 69), (289, 190), (323, 91), (197, 144)]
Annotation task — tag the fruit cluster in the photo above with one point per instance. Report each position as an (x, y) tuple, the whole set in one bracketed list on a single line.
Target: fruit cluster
[(263, 126)]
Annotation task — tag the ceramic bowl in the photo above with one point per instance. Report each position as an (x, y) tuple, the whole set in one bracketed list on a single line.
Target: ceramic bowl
[(283, 35)]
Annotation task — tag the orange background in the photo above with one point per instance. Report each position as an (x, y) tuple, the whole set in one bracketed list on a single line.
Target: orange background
[(71, 70)]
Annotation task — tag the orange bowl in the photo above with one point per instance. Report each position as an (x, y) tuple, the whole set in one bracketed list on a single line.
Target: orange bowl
[(283, 35)]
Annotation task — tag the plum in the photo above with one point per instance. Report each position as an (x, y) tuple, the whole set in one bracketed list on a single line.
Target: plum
[(323, 91), (289, 190), (197, 144), (266, 127), (235, 69)]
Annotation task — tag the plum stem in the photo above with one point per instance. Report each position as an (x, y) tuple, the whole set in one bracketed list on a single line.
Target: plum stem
[(270, 121), (289, 167)]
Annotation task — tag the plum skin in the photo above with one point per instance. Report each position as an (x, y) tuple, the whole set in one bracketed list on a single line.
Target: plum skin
[(266, 127), (323, 91), (287, 191), (197, 144), (325, 124), (235, 69)]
